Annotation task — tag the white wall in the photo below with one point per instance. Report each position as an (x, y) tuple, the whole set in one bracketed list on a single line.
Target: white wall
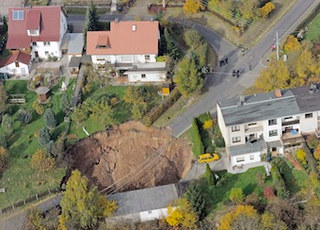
[(222, 126), (53, 49), (308, 124), (122, 59), (256, 155), (150, 77), (267, 128), (12, 69), (153, 215), (70, 56)]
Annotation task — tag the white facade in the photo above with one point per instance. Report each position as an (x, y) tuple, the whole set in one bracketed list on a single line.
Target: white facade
[(113, 59), (12, 68), (153, 214), (246, 158), (146, 76)]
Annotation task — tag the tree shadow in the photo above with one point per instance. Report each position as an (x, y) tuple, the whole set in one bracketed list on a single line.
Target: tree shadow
[(249, 188), (16, 151)]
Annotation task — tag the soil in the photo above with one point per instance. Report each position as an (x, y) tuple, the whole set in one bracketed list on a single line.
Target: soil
[(131, 156)]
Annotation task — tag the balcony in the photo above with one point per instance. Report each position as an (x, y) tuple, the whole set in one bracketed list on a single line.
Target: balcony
[(253, 129), (290, 137), (293, 122)]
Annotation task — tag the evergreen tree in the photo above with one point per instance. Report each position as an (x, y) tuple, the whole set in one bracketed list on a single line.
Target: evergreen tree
[(82, 207), (172, 48), (24, 116), (65, 103), (50, 119), (7, 124), (5, 25), (198, 145), (3, 141), (44, 136), (91, 21), (209, 175), (197, 201)]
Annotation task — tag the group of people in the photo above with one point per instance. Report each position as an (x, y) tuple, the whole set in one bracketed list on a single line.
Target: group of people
[(224, 62), (236, 73)]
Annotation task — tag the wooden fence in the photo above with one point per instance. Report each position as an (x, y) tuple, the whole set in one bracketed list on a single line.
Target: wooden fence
[(28, 200)]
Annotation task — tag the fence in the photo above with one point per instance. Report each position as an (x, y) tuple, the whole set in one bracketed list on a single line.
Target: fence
[(17, 99), (28, 200)]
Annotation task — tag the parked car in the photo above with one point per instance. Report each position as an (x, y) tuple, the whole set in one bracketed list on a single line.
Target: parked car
[(206, 158)]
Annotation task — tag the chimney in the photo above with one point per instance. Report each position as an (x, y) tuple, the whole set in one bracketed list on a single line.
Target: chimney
[(116, 20), (278, 93), (241, 100), (313, 87)]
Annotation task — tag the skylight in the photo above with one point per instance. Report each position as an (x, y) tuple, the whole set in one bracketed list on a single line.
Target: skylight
[(18, 15)]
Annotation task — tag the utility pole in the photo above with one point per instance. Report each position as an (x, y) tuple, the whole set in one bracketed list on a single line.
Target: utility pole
[(277, 44)]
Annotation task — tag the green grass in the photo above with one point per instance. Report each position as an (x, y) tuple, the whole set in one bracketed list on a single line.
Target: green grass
[(217, 196), (82, 10), (313, 29), (19, 179)]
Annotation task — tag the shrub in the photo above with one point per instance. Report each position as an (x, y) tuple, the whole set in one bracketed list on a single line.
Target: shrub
[(24, 116), (301, 156), (50, 119), (268, 193), (3, 158), (207, 124), (157, 111), (41, 162), (7, 124), (44, 136), (236, 195), (3, 141), (198, 148), (316, 153), (38, 107), (209, 176), (278, 182)]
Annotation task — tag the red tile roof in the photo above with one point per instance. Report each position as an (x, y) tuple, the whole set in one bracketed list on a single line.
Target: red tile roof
[(125, 37), (48, 17), (19, 57)]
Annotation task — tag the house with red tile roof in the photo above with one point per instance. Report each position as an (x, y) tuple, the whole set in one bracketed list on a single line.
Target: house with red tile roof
[(130, 47), (18, 63), (37, 31)]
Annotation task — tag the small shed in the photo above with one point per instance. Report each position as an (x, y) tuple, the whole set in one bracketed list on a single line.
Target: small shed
[(43, 93), (74, 65), (166, 89)]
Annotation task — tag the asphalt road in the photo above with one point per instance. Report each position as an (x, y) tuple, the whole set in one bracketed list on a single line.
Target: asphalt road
[(221, 85)]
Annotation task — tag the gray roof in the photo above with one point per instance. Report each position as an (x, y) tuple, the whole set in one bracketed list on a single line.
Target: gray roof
[(267, 106), (75, 43), (248, 147), (144, 199), (74, 62), (274, 144), (42, 90)]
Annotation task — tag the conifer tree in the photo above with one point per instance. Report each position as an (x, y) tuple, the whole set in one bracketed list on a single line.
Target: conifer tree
[(195, 198)]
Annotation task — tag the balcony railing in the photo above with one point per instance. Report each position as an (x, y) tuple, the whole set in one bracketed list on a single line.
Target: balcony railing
[(251, 129), (289, 137), (285, 123)]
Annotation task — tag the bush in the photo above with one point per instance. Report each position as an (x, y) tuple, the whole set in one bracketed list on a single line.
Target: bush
[(3, 141), (198, 148), (157, 111), (301, 156), (236, 195), (50, 119), (209, 176), (278, 182), (41, 162), (268, 193), (24, 116), (44, 136), (7, 124), (38, 107), (3, 158)]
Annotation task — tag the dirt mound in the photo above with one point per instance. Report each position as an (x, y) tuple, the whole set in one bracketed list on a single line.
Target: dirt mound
[(132, 156)]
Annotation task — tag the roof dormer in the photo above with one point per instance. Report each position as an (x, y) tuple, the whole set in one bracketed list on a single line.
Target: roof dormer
[(33, 23), (103, 42)]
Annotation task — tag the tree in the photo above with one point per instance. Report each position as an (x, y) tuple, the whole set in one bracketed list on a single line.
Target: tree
[(312, 209), (316, 153), (5, 24), (50, 119), (306, 65), (65, 103), (7, 124), (172, 48), (41, 162), (292, 43), (268, 193), (247, 8), (3, 141), (197, 142), (192, 38), (209, 175), (266, 9), (24, 116), (197, 201), (182, 215), (101, 110), (44, 136), (207, 124), (243, 216), (273, 77), (236, 195), (80, 114), (193, 6), (82, 206), (301, 156), (3, 158), (269, 222), (38, 107), (188, 76), (136, 97), (3, 99), (91, 21)]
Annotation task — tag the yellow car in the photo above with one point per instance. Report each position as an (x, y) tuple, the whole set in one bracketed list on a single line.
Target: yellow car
[(206, 158)]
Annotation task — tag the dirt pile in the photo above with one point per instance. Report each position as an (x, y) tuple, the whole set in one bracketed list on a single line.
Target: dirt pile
[(132, 156)]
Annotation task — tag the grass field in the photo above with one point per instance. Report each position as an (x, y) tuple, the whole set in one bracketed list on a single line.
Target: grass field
[(313, 29), (19, 179)]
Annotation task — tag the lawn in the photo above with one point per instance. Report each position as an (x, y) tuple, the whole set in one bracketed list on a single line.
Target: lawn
[(19, 179), (217, 196), (313, 29)]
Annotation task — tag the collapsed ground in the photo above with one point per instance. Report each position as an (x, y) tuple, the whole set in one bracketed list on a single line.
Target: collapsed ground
[(132, 156)]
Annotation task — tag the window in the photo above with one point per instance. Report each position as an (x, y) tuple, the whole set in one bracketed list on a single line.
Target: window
[(273, 133), (252, 124), (17, 64), (101, 59), (287, 118), (273, 149), (251, 157), (149, 212), (240, 159), (236, 139), (272, 122), (309, 115), (147, 57), (33, 32), (18, 15), (46, 52), (143, 76), (235, 128), (34, 43), (46, 43)]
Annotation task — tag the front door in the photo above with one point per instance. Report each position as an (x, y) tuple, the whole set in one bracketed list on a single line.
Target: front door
[(36, 54)]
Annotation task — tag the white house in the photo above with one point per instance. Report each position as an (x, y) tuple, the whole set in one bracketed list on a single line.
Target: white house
[(37, 31), (253, 124), (130, 47), (145, 204), (18, 63)]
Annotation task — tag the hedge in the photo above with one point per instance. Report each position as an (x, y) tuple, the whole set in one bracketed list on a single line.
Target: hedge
[(278, 182), (198, 147), (310, 158), (157, 111)]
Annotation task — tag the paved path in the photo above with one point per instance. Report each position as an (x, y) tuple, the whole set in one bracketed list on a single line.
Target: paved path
[(221, 84), (77, 89)]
